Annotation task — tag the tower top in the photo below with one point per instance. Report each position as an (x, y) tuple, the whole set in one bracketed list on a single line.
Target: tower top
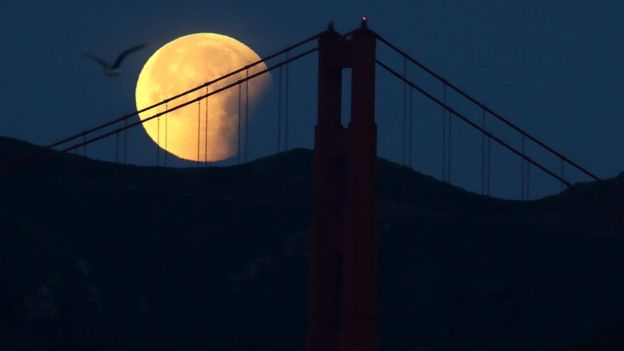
[(364, 23)]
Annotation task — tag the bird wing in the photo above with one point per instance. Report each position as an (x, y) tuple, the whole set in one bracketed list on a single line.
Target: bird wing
[(125, 53), (96, 59)]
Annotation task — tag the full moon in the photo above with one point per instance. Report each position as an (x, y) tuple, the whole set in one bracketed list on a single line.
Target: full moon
[(204, 131)]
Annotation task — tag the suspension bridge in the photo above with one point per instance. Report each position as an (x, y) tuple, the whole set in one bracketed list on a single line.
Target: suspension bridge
[(116, 129), (343, 271)]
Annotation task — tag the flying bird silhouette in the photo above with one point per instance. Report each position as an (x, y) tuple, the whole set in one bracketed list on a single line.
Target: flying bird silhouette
[(114, 69)]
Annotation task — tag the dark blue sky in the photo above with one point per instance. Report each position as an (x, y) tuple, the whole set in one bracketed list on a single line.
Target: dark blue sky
[(553, 67)]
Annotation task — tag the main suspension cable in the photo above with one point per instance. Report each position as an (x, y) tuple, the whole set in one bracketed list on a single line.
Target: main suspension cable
[(489, 110), (125, 117), (472, 124)]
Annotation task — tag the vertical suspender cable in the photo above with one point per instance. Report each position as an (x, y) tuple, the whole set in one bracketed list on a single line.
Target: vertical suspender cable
[(166, 133), (483, 138), (206, 132), (411, 122), (198, 130), (279, 110), (158, 141), (444, 133), (84, 148), (489, 165), (239, 124), (528, 181), (286, 105), (116, 147), (562, 173), (125, 141), (449, 146), (523, 171), (246, 114), (404, 128)]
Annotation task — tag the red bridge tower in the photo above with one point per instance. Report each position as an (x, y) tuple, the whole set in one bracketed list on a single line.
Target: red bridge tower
[(344, 236)]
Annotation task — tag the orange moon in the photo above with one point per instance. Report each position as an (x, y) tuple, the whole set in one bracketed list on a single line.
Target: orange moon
[(204, 131)]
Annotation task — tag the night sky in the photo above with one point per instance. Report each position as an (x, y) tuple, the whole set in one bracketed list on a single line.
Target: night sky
[(553, 67)]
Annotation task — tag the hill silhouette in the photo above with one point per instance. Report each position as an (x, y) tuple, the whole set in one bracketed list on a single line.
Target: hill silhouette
[(101, 256)]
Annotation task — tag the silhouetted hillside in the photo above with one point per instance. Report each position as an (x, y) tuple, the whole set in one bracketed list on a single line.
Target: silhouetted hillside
[(101, 256)]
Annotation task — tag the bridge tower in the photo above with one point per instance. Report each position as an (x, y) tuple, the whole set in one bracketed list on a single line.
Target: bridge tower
[(344, 237)]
